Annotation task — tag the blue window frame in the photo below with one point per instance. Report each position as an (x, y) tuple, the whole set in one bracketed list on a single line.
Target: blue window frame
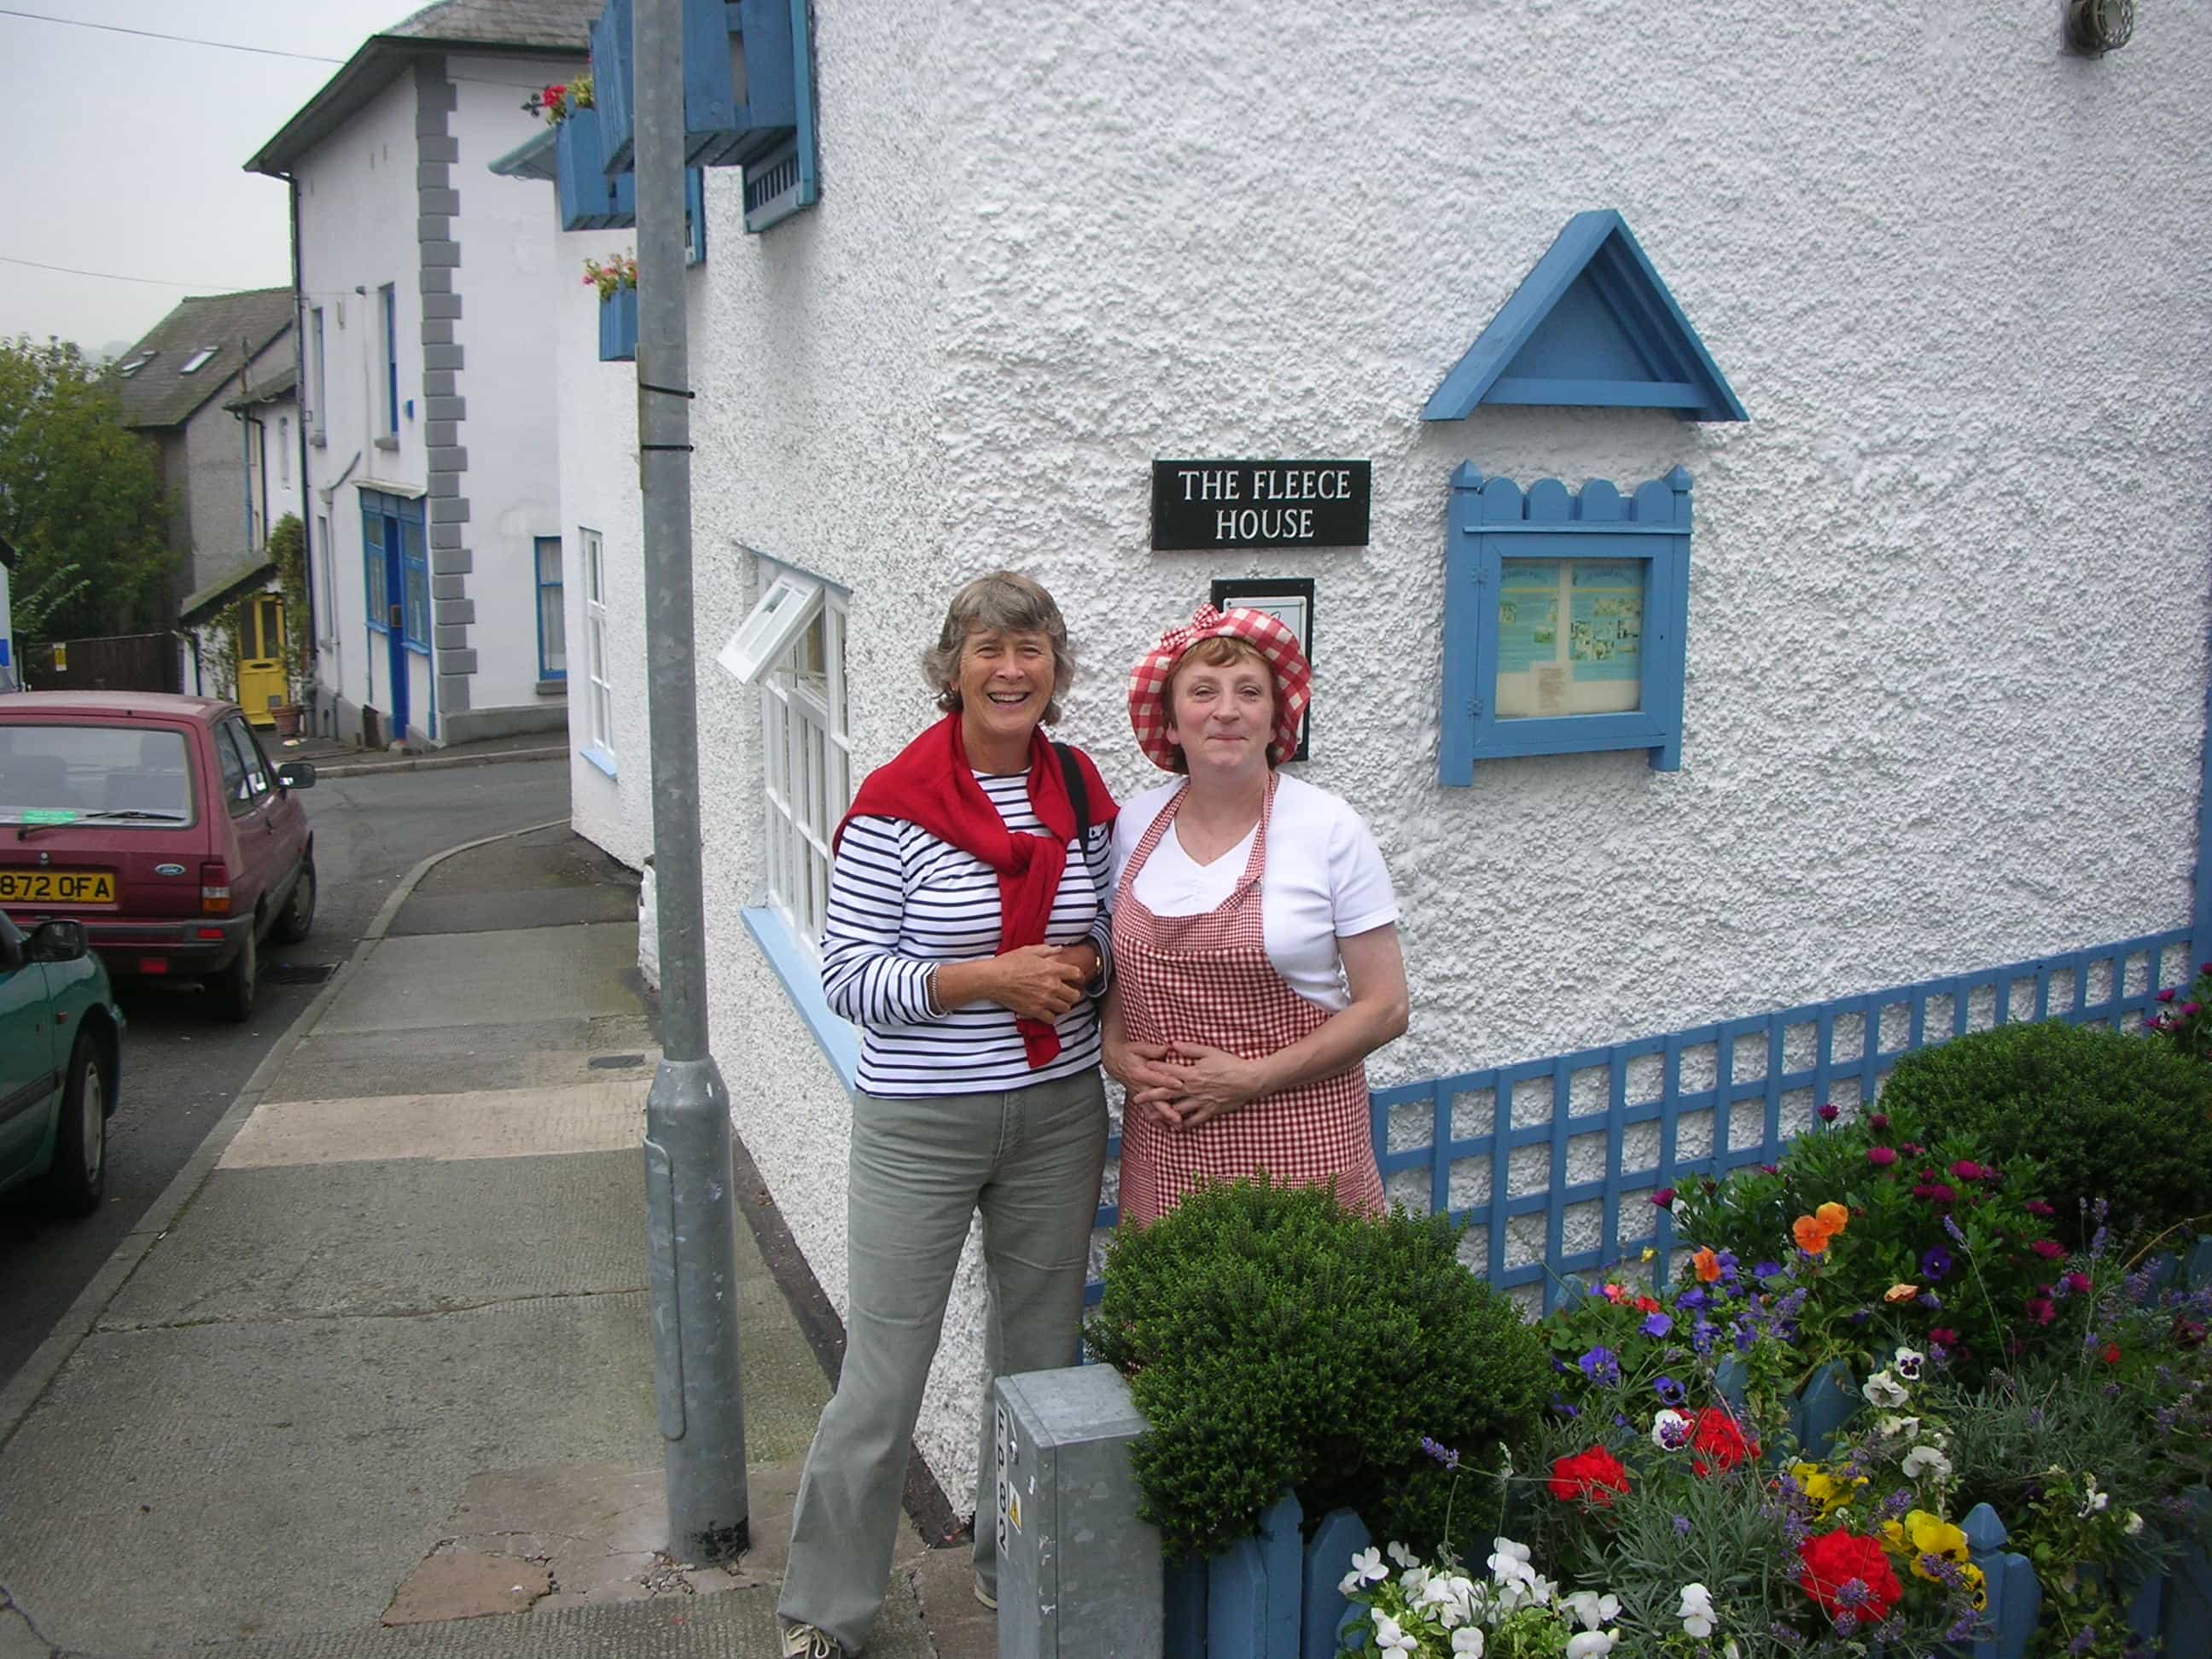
[(1565, 615), (372, 563), (396, 566), (552, 619), (390, 301)]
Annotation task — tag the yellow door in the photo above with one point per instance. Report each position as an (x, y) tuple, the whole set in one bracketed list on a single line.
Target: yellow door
[(261, 659)]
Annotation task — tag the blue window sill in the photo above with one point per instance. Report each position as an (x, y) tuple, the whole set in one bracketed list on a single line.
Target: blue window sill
[(599, 758), (419, 649), (802, 983), (379, 628)]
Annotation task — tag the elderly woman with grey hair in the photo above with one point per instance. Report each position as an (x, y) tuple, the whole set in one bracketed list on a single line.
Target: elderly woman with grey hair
[(967, 935)]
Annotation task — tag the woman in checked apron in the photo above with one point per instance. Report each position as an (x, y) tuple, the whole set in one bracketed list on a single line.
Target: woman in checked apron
[(1254, 934)]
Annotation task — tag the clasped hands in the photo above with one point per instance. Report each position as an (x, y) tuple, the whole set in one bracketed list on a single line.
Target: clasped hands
[(1182, 1084), (1044, 981)]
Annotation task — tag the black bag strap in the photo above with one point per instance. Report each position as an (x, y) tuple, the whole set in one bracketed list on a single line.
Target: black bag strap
[(1078, 794)]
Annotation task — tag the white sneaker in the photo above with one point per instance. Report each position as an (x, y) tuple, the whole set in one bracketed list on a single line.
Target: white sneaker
[(804, 1642)]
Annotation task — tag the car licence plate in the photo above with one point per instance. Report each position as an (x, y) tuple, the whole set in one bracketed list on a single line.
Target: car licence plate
[(56, 887)]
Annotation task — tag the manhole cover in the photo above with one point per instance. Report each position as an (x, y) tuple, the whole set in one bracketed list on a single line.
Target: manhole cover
[(297, 973)]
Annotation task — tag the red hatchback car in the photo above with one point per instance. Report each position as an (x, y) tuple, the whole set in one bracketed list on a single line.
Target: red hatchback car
[(158, 822)]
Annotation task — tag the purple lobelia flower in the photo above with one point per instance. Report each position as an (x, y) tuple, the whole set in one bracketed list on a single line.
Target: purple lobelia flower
[(1682, 1526)]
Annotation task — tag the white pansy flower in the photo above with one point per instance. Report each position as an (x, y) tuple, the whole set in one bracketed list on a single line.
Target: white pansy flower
[(1592, 1644), (1413, 1581), (1894, 1427), (1398, 1552), (1389, 1638), (1909, 1362), (1671, 1431), (1467, 1643), (1696, 1611), (1594, 1611), (1923, 1460), (2134, 1524), (1367, 1569), (1884, 1390)]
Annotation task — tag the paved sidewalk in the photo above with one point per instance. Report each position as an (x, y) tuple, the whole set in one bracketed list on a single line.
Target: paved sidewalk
[(333, 759), (375, 1378)]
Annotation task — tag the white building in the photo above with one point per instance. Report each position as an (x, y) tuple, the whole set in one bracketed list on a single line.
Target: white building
[(1939, 710), (427, 299)]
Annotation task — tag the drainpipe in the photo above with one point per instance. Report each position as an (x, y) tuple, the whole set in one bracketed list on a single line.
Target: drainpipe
[(299, 399), (691, 1210)]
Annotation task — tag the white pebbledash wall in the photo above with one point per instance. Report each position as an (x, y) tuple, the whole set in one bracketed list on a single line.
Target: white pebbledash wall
[(1946, 674)]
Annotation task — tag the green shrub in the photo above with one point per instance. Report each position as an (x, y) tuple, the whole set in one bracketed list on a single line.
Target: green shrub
[(1273, 1342), (2108, 1115)]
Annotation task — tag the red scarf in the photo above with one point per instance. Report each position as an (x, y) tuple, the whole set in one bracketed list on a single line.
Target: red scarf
[(932, 785)]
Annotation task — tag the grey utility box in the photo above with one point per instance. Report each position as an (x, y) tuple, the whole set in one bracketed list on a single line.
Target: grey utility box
[(1078, 1574)]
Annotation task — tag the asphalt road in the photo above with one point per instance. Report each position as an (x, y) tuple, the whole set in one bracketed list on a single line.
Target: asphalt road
[(182, 1067)]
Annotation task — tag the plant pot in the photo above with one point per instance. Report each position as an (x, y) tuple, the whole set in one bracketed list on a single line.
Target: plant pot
[(618, 327), (286, 715)]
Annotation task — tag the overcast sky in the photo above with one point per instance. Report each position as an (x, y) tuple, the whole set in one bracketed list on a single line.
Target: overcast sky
[(125, 155)]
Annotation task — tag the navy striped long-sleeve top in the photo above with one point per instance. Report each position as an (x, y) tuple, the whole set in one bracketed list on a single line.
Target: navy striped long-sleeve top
[(902, 902)]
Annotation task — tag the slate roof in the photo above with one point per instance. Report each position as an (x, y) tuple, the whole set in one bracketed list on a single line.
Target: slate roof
[(268, 389), (555, 25), (543, 28), (236, 326)]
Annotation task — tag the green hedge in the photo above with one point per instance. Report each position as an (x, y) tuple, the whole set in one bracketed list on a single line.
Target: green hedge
[(2109, 1117), (1275, 1341)]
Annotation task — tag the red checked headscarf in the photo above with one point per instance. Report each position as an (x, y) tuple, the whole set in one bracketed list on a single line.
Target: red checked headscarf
[(1285, 659), (931, 784)]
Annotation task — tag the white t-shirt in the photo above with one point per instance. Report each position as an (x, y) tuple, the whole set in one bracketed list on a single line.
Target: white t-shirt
[(1324, 880)]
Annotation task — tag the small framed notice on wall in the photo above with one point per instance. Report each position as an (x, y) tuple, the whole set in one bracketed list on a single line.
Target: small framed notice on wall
[(1290, 601)]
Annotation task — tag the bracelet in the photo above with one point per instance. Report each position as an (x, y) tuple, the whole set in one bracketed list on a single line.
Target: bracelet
[(929, 995)]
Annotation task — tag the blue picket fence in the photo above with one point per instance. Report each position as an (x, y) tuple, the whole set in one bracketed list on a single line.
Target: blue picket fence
[(1274, 1596)]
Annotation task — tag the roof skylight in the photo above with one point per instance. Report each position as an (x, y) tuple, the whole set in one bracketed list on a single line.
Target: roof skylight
[(195, 360)]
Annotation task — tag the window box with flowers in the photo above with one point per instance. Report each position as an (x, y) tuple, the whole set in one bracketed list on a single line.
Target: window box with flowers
[(615, 278), (590, 199)]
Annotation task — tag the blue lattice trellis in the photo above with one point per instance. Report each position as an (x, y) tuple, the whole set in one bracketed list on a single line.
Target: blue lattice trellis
[(1615, 1121)]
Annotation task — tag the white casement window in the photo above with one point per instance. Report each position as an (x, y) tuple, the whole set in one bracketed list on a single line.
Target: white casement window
[(806, 760), (598, 696)]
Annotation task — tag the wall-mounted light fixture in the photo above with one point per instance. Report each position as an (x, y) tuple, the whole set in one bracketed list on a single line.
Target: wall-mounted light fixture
[(2094, 28)]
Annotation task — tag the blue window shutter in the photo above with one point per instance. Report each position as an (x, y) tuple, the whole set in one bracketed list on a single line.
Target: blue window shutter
[(1490, 521), (694, 216)]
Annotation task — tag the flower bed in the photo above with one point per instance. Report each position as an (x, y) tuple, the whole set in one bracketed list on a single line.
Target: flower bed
[(1898, 1398)]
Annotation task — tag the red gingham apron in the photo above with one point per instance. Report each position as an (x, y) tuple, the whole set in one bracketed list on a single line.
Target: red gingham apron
[(1205, 979)]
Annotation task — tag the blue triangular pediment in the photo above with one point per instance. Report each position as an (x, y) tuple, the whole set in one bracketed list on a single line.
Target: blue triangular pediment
[(1591, 325)]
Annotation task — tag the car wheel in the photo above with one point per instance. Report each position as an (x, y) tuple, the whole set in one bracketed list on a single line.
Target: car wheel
[(234, 986), (78, 1179), (299, 913)]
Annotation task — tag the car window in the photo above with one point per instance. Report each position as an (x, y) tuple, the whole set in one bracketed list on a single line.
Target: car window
[(237, 789), (256, 768), (129, 772)]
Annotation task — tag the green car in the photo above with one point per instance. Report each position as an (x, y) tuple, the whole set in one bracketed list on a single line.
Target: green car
[(61, 1052)]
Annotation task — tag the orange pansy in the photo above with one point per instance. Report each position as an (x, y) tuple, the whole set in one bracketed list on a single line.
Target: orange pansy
[(1811, 1235), (1707, 1264)]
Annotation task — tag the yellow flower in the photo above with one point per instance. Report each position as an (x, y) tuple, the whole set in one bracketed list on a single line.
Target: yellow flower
[(1834, 1217), (1823, 1488), (1901, 1292), (1977, 1590), (1649, 1253), (1931, 1534)]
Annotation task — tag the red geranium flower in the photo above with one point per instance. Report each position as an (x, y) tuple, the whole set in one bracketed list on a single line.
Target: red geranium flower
[(1846, 1574), (1593, 1476), (1720, 1439)]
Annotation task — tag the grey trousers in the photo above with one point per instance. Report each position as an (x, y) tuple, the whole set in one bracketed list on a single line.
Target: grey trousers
[(1029, 1160)]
